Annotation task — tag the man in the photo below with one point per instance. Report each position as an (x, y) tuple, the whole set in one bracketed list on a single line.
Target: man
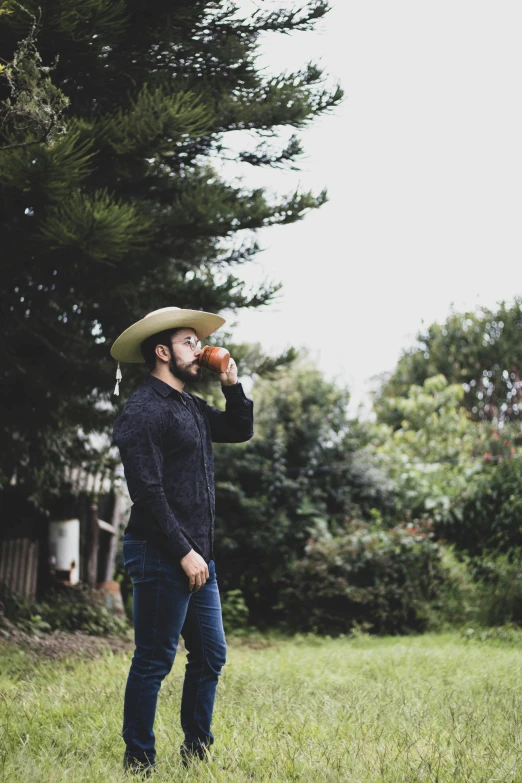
[(165, 440)]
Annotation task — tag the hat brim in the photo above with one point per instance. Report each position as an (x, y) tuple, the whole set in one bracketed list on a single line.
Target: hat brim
[(126, 348)]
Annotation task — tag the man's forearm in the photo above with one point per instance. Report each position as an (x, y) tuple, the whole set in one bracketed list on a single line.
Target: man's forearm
[(156, 503), (236, 423)]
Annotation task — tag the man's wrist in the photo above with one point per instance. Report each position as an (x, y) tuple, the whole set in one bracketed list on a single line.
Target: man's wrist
[(179, 547)]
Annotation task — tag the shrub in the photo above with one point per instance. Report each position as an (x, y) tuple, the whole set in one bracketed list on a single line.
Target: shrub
[(383, 580), (460, 597), (235, 611), (499, 578), (488, 514), (75, 608)]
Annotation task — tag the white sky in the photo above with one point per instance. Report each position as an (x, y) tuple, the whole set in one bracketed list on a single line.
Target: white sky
[(423, 165)]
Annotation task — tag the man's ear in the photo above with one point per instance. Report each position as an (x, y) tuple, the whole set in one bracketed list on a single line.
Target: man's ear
[(162, 352)]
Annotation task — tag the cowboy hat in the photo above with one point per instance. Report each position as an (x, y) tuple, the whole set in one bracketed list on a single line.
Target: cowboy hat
[(126, 348)]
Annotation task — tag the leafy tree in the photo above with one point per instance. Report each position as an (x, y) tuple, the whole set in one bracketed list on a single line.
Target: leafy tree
[(482, 350), (452, 404), (304, 470), (437, 450), (125, 212), (428, 455)]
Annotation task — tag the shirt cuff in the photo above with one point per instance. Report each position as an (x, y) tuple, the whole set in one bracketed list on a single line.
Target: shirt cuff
[(178, 545), (236, 390)]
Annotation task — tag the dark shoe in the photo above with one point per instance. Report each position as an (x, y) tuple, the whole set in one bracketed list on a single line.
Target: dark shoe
[(137, 767), (191, 753)]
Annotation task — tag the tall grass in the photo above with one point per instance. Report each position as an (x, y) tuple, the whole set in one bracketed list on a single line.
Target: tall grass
[(430, 708)]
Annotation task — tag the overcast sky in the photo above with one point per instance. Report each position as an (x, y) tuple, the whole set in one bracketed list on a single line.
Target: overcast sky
[(423, 167)]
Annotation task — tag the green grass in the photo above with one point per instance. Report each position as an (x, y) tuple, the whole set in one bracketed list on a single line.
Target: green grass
[(428, 708)]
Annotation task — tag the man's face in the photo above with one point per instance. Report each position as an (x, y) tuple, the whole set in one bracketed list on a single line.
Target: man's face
[(183, 362)]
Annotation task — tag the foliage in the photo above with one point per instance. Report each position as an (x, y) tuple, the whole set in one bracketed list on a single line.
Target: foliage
[(126, 212), (480, 350), (448, 437), (34, 111), (499, 581), (234, 610), (381, 579), (465, 475), (448, 430), (436, 449), (461, 599), (66, 609), (487, 513), (305, 467)]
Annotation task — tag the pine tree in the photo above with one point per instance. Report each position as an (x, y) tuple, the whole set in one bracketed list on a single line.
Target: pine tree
[(123, 212)]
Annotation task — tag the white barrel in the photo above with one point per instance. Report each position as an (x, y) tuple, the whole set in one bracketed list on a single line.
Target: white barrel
[(64, 549)]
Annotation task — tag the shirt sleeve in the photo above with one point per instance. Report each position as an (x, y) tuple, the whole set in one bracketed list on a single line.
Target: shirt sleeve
[(236, 423), (139, 436)]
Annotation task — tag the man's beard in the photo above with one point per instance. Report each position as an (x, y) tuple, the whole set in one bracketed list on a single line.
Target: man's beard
[(184, 371)]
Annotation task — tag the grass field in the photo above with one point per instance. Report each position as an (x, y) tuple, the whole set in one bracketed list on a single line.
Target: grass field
[(428, 708)]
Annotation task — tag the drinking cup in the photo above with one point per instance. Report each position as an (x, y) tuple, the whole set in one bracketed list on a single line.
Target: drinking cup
[(214, 358)]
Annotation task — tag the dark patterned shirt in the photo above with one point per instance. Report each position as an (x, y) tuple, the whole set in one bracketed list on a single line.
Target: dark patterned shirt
[(165, 442)]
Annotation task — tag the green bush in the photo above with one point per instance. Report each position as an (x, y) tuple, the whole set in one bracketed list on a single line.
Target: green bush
[(488, 514), (460, 598), (482, 592), (499, 578), (382, 580), (235, 611), (76, 608)]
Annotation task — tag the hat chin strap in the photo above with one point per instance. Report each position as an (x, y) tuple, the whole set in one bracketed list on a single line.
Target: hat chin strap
[(118, 379)]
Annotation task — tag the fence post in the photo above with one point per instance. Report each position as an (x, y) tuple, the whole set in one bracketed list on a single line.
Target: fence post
[(93, 542)]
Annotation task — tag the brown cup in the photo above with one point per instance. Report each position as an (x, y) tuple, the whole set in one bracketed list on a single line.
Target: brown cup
[(214, 358)]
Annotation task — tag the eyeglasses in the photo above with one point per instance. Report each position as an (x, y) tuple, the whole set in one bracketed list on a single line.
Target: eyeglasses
[(192, 341)]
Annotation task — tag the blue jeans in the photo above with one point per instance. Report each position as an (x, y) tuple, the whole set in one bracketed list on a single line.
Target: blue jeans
[(163, 607)]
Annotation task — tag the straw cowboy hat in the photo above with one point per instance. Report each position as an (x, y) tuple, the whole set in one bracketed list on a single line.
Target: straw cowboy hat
[(126, 348)]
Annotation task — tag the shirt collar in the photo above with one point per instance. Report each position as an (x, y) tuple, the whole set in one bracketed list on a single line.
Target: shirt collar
[(160, 386)]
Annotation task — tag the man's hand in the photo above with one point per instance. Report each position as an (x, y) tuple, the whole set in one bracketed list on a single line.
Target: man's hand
[(229, 378), (196, 569)]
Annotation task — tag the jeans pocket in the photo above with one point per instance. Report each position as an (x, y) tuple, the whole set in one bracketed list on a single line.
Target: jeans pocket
[(134, 559)]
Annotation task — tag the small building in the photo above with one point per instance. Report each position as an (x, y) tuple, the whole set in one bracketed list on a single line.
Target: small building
[(26, 553)]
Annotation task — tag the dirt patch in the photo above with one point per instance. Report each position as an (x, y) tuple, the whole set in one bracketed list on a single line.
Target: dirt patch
[(253, 644), (58, 645)]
